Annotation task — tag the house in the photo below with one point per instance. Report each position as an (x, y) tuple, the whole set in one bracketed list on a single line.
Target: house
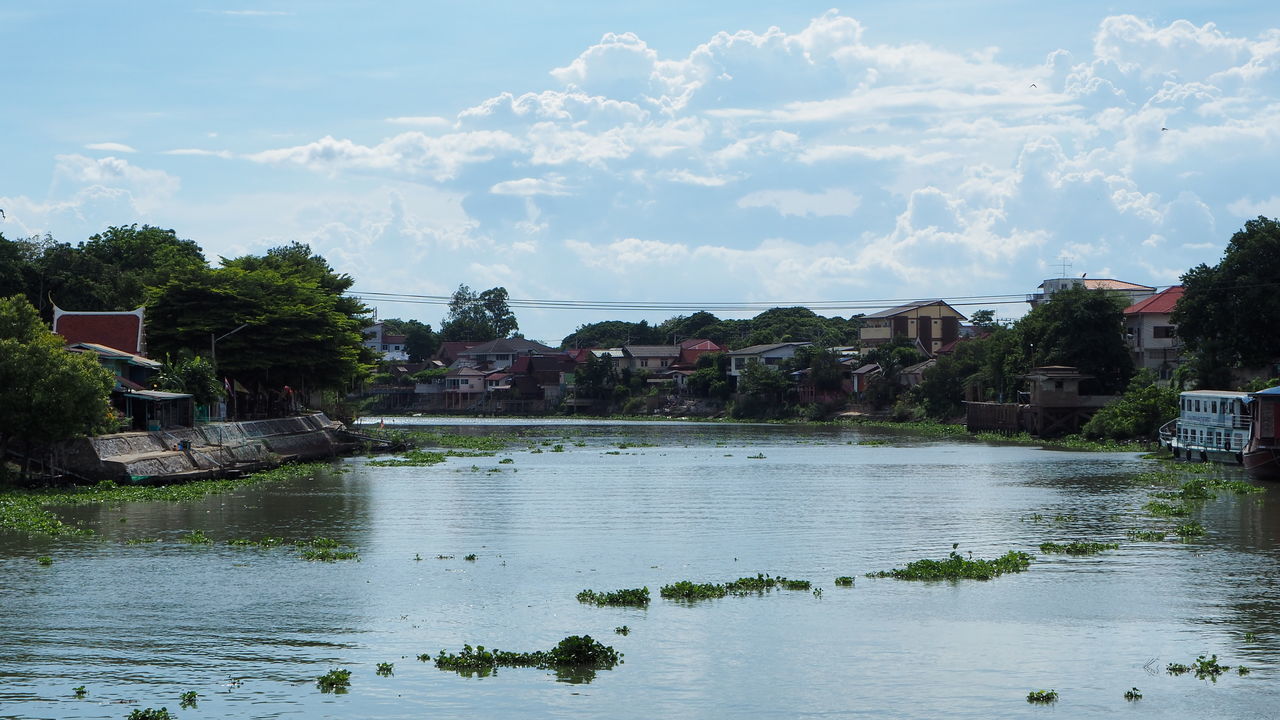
[(652, 358), (1131, 292), (447, 354), (862, 377), (463, 387), (551, 373), (913, 375), (117, 330), (770, 355), (133, 372), (691, 350), (1152, 336), (389, 346), (499, 354), (931, 323)]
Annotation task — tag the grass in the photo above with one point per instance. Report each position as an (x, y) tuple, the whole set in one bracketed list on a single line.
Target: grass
[(335, 681), (633, 597), (1042, 697), (957, 567), (27, 510), (1077, 547)]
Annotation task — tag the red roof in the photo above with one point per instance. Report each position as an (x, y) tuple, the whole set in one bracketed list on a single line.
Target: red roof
[(119, 330), (1159, 304)]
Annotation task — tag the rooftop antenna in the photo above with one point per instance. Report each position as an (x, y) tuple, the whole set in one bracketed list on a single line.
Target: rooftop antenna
[(1065, 263)]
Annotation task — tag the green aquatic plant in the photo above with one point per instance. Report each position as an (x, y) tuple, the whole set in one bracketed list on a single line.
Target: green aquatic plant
[(1077, 548), (1250, 637), (196, 537), (759, 456), (575, 651), (470, 558), (1208, 668), (1189, 530), (795, 584), (1177, 669), (844, 581), (386, 669), (1042, 697), (1242, 671), (328, 554), (761, 583), (1133, 694), (689, 590), (957, 567), (336, 681), (188, 699), (263, 542), (634, 597), (622, 630), (412, 458), (45, 560), (557, 448), (1161, 509), (1146, 535), (873, 442), (151, 714), (27, 510), (506, 461), (80, 692)]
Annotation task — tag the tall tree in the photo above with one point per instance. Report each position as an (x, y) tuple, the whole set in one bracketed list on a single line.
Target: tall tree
[(300, 329), (478, 317), (47, 393), (1227, 313), (1081, 328)]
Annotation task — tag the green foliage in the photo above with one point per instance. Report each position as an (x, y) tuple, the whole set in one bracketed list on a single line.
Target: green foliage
[(303, 330), (634, 597), (622, 630), (420, 343), (188, 699), (80, 692), (151, 714), (1208, 668), (1138, 413), (575, 651), (688, 590), (1226, 313), (47, 393), (45, 560), (1081, 328), (760, 392), (196, 537), (957, 567), (1078, 547), (1133, 694), (1042, 697), (844, 581), (191, 374), (596, 378), (335, 681), (1189, 530), (478, 317), (614, 333), (386, 669), (430, 374)]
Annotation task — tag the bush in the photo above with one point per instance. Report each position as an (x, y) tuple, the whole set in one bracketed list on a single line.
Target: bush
[(1138, 413)]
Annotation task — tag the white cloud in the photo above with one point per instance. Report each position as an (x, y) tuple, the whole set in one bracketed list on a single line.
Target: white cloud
[(551, 185), (800, 204), (110, 147), (420, 121), (1246, 207), (198, 152), (411, 153)]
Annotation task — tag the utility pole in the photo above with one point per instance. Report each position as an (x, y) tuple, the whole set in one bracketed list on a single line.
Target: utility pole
[(213, 344)]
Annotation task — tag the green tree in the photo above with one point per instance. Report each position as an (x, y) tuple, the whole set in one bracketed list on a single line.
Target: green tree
[(612, 333), (301, 330), (47, 393), (761, 391), (191, 374), (1081, 328), (478, 317), (420, 342), (595, 378), (1227, 313)]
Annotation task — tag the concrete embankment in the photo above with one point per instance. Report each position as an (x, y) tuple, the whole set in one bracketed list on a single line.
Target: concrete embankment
[(207, 450)]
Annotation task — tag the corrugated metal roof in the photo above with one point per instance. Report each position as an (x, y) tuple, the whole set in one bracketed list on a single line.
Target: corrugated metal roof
[(760, 349), (909, 307), (111, 352), (653, 350)]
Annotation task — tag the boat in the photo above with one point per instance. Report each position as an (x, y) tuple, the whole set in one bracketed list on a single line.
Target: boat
[(1212, 426), (1261, 456)]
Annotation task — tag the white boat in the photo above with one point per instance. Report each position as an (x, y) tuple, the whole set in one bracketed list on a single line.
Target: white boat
[(1212, 426)]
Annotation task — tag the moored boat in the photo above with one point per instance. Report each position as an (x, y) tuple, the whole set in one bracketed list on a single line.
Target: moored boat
[(1262, 453), (1212, 426)]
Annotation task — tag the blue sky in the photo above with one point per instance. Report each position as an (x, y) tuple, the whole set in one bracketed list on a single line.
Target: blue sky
[(653, 152)]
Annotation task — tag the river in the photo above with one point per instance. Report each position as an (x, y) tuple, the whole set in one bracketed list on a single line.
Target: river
[(628, 505)]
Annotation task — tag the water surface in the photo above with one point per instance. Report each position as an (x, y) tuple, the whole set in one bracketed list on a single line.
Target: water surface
[(251, 629)]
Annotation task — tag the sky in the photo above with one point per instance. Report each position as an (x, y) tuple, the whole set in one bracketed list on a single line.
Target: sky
[(668, 154)]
